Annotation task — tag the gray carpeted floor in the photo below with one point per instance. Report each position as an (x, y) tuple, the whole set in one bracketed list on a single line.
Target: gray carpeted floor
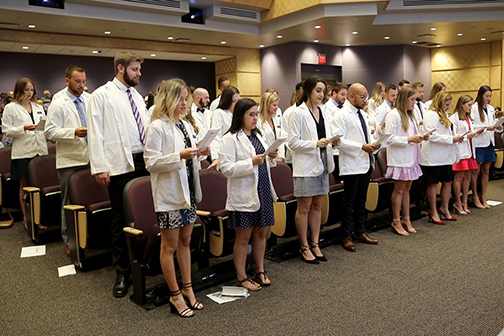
[(445, 280)]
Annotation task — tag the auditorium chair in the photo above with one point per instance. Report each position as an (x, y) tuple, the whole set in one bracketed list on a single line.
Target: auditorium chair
[(88, 218), (9, 190), (43, 199), (497, 169), (286, 204), (335, 200)]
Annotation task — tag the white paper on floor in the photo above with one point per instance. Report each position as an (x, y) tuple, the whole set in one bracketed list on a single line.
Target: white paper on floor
[(66, 270), (229, 294), (33, 251), (493, 203)]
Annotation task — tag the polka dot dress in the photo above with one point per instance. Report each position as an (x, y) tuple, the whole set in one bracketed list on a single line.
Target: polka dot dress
[(264, 217)]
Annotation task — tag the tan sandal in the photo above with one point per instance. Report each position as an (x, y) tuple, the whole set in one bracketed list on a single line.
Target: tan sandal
[(265, 281)]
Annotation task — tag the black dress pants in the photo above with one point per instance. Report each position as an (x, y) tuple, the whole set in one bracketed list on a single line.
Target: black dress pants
[(354, 197)]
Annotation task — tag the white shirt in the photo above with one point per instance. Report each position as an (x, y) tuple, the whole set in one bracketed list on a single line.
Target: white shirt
[(62, 120), (203, 120), (221, 119), (113, 134), (215, 104), (170, 185), (25, 144)]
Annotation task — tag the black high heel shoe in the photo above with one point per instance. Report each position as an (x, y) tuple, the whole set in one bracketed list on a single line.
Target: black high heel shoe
[(307, 248), (185, 312), (319, 258), (196, 305)]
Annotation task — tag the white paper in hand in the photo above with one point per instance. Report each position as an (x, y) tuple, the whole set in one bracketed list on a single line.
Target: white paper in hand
[(40, 125), (499, 122), (278, 142), (207, 140)]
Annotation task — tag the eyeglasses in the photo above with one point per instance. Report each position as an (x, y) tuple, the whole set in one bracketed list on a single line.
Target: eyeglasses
[(252, 114), (363, 97)]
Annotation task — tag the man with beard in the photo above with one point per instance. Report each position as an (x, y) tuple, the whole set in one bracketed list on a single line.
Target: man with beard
[(420, 108), (199, 110), (334, 104), (117, 122), (66, 124)]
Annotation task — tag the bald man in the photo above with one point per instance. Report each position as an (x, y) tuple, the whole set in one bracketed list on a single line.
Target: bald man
[(199, 110), (356, 162)]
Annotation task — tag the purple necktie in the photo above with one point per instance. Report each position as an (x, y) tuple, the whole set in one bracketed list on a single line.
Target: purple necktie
[(137, 117)]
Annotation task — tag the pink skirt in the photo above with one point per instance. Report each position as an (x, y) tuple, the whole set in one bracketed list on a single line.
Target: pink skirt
[(404, 174), (465, 164)]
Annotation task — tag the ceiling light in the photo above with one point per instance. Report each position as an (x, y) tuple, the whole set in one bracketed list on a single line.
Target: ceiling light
[(223, 42), (203, 58), (316, 41), (318, 27), (387, 37), (433, 28), (414, 42), (26, 48), (106, 32), (31, 26), (355, 32), (483, 39), (170, 37), (279, 36), (460, 34), (261, 45), (153, 55), (94, 51), (438, 45), (347, 45)]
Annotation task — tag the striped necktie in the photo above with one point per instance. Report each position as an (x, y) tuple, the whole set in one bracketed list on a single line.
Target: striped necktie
[(138, 120)]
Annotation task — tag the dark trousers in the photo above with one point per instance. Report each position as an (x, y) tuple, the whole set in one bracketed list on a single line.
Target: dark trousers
[(116, 186), (335, 172), (354, 197)]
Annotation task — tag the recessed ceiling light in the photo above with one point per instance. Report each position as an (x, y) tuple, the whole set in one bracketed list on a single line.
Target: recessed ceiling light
[(223, 42), (355, 32), (433, 28), (153, 55), (316, 41), (347, 45), (31, 26), (414, 42), (460, 34), (94, 51), (318, 27), (170, 37), (438, 45), (106, 32), (26, 48), (279, 36), (203, 58), (261, 45), (483, 39), (387, 37)]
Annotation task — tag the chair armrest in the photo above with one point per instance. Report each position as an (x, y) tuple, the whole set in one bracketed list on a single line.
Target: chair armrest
[(133, 231), (31, 189), (203, 213), (73, 207)]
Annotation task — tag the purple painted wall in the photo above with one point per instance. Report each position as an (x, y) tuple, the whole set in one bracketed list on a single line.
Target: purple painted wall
[(48, 71)]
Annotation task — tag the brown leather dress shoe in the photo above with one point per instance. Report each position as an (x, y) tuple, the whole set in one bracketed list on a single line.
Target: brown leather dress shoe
[(364, 238), (348, 244), (67, 250)]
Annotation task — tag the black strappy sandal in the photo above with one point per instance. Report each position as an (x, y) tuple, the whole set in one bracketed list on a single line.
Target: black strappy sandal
[(184, 313), (196, 305)]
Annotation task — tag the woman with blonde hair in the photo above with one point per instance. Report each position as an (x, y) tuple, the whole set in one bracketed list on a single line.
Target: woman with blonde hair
[(267, 122), (462, 123), (483, 115), (439, 153), (403, 157), (171, 158), (436, 88), (20, 118), (377, 97)]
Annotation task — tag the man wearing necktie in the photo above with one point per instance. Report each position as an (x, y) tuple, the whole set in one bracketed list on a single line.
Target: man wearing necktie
[(66, 124), (334, 105), (419, 110), (117, 121), (199, 110), (356, 162)]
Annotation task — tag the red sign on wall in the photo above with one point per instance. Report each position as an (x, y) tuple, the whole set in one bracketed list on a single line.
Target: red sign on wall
[(321, 58)]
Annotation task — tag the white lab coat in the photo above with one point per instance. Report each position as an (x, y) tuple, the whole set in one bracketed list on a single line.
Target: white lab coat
[(110, 148), (285, 131), (170, 185), (221, 119), (235, 160), (269, 136), (439, 150), (352, 159), (25, 144), (203, 120), (62, 120), (400, 152), (303, 139), (381, 112), (331, 107), (460, 127), (487, 137)]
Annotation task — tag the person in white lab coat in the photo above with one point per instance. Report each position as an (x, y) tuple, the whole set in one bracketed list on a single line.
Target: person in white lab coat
[(439, 153), (420, 108), (377, 97), (222, 83), (250, 192), (66, 124), (436, 88), (386, 106), (296, 96), (403, 157), (483, 115), (171, 157), (199, 110), (20, 119), (312, 161), (462, 123), (268, 123)]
